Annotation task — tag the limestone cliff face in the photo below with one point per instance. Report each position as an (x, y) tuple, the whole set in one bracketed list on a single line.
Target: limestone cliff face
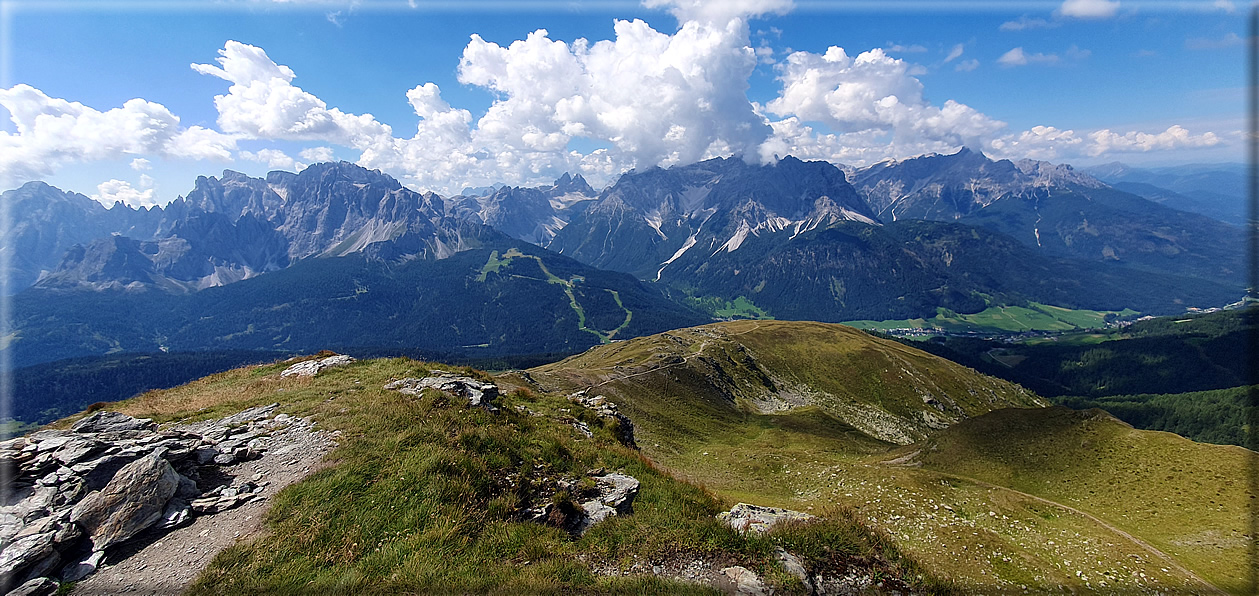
[(236, 227)]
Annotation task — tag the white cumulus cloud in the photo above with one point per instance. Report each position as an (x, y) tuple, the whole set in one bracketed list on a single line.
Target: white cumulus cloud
[(273, 158), (263, 103), (720, 12), (52, 132), (643, 98), (1089, 9), (113, 191), (874, 97), (316, 154), (1175, 137)]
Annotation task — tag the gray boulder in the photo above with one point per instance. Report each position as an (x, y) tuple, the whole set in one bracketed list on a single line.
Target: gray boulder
[(102, 421), (476, 392), (310, 368), (131, 502), (24, 554), (795, 567), (84, 568), (758, 520), (40, 586), (616, 497), (745, 582), (624, 427), (245, 416)]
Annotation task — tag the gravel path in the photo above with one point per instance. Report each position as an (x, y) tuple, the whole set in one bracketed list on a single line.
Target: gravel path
[(167, 563)]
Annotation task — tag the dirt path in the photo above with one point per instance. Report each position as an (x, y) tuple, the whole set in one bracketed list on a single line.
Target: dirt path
[(167, 563)]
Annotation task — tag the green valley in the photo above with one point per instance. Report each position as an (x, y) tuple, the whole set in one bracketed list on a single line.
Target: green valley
[(1005, 319)]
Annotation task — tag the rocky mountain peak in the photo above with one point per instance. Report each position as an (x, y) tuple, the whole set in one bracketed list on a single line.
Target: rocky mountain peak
[(572, 184)]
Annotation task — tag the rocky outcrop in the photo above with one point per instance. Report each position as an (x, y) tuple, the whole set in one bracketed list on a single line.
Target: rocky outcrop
[(103, 422), (622, 427), (132, 501), (578, 505), (478, 393), (310, 368), (614, 495), (758, 520), (73, 496)]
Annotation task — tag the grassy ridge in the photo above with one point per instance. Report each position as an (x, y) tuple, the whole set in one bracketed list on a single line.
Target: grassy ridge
[(693, 393), (890, 392), (421, 493), (1216, 416)]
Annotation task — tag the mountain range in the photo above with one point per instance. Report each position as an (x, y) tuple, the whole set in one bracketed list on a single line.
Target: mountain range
[(1214, 190), (799, 240)]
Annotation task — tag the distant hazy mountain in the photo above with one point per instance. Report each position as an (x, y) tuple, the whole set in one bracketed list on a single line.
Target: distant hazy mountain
[(651, 218), (236, 227), (949, 187), (46, 222), (796, 238), (1056, 210), (798, 241), (1214, 190), (908, 269), (530, 214)]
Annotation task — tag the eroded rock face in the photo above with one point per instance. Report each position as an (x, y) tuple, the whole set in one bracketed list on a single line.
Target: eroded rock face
[(310, 368), (73, 494), (130, 503), (478, 393), (758, 520)]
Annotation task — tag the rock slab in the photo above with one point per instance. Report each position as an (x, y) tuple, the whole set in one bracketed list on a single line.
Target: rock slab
[(310, 368), (758, 520), (131, 502), (478, 393)]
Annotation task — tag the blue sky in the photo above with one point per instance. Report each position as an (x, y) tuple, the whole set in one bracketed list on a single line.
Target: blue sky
[(1082, 82)]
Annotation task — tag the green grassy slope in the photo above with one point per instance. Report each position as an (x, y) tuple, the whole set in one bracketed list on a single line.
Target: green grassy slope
[(420, 495), (698, 397), (1187, 499), (888, 391), (1217, 416), (471, 304)]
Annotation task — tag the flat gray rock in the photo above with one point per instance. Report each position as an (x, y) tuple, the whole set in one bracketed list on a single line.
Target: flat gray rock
[(310, 368), (477, 393), (24, 554), (102, 421), (758, 520), (40, 586)]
